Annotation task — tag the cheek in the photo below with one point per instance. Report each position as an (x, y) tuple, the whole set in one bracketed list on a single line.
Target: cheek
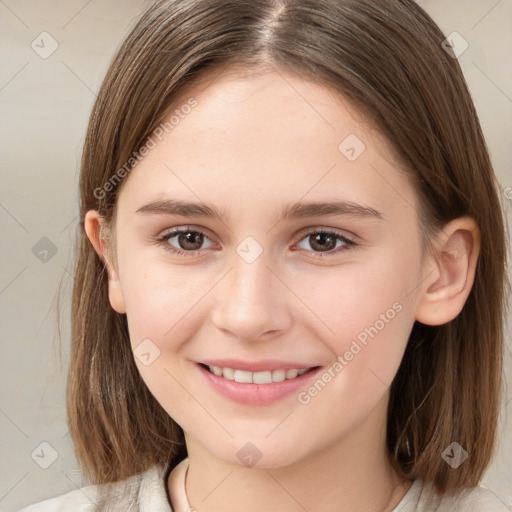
[(350, 298), (151, 308), (369, 311), (160, 305), (159, 297)]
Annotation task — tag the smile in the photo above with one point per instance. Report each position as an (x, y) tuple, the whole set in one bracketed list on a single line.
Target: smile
[(267, 383), (263, 377)]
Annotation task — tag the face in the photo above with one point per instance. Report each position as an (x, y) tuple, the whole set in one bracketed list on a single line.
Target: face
[(301, 263)]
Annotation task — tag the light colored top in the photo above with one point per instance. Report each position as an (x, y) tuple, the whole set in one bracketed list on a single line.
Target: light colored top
[(147, 492)]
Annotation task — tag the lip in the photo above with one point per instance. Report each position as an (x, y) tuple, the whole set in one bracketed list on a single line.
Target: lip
[(257, 366), (255, 394)]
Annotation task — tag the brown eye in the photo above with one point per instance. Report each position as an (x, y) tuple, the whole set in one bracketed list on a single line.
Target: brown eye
[(190, 240), (182, 241), (325, 241), (322, 241)]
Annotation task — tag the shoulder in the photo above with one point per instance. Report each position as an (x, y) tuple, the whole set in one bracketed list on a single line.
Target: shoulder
[(144, 492), (79, 500), (480, 499), (423, 497)]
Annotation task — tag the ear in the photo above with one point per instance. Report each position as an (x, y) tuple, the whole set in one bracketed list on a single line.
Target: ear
[(92, 225), (447, 287)]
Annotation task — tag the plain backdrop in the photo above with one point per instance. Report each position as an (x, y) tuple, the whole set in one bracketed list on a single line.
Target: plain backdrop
[(45, 101)]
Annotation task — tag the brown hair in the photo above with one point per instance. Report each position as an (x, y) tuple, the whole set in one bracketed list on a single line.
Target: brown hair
[(386, 58)]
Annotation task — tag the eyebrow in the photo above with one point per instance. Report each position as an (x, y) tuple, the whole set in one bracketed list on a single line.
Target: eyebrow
[(290, 211)]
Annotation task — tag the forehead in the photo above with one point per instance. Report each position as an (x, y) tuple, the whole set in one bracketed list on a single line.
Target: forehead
[(273, 137)]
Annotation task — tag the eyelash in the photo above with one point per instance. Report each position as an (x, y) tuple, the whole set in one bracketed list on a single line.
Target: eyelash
[(349, 244)]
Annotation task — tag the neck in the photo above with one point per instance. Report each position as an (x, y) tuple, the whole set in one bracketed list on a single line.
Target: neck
[(352, 475)]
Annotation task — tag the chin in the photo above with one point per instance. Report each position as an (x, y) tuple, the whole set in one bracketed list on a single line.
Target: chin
[(258, 455)]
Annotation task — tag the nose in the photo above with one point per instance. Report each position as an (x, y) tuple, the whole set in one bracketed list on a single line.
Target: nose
[(252, 303)]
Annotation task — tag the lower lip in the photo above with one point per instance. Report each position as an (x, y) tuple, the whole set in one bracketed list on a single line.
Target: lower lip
[(256, 394)]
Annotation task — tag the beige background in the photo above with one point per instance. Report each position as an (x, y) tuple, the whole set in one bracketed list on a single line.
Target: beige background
[(45, 105)]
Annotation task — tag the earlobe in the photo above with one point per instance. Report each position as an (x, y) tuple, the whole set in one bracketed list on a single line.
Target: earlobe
[(92, 225), (451, 274)]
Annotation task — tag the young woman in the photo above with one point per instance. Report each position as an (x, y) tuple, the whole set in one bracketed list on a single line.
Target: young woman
[(290, 283)]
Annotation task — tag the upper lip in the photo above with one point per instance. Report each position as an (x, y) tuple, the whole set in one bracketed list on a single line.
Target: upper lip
[(257, 366)]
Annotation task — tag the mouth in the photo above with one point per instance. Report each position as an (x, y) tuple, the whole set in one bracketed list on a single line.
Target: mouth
[(269, 384), (261, 377)]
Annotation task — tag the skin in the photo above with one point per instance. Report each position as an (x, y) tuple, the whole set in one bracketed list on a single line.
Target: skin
[(251, 146)]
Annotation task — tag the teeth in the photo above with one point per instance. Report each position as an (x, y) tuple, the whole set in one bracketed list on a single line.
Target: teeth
[(216, 369), (262, 377), (241, 376), (291, 374), (265, 377)]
